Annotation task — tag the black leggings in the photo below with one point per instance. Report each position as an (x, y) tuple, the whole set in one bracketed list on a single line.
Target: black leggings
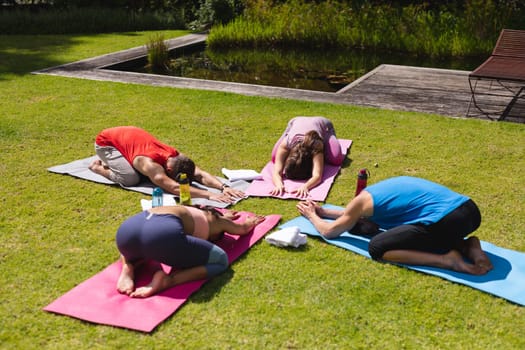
[(441, 236)]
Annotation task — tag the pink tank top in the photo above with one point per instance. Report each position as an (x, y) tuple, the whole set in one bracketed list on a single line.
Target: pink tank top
[(299, 126), (200, 222)]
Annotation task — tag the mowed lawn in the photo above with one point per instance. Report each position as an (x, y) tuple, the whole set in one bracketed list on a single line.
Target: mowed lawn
[(57, 231)]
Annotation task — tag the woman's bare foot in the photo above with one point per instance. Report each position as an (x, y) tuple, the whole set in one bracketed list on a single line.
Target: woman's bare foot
[(125, 284), (472, 250), (159, 282), (453, 260)]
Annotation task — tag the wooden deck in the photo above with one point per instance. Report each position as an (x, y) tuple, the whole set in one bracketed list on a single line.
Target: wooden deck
[(428, 90)]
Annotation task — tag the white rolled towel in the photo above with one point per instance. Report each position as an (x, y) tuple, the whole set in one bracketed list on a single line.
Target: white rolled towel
[(241, 174), (289, 236)]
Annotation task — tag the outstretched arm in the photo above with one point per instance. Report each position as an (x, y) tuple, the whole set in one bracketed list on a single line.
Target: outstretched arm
[(323, 212), (156, 173), (243, 228), (277, 175), (343, 222), (207, 179)]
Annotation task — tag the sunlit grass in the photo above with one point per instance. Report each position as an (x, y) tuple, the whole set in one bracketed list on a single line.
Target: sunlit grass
[(57, 231)]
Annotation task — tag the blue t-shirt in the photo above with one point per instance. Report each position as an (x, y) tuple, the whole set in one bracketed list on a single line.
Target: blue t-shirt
[(410, 200)]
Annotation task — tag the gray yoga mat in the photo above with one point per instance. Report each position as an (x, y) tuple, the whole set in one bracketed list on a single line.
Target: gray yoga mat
[(79, 169)]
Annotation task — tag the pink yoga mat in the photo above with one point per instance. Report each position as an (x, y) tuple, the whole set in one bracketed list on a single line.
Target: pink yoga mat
[(262, 188), (97, 300)]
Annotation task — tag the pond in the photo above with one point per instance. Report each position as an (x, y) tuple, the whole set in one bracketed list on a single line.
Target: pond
[(326, 70)]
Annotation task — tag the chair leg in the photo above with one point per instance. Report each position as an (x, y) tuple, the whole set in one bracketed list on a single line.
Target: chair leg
[(473, 101), (472, 92), (510, 105)]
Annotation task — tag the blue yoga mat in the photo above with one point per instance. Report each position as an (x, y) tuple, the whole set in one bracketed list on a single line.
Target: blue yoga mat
[(506, 280)]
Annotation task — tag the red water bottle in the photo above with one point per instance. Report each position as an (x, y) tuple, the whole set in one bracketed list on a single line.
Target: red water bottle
[(362, 177)]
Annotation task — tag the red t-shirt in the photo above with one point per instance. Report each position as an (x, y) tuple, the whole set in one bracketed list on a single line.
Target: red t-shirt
[(132, 142)]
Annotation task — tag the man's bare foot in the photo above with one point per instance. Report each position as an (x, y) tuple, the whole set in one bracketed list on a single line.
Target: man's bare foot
[(96, 166), (453, 260), (472, 250), (158, 283), (125, 284)]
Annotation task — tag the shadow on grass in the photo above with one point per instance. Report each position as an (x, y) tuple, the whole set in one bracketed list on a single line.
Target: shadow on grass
[(346, 162), (213, 287), (22, 54)]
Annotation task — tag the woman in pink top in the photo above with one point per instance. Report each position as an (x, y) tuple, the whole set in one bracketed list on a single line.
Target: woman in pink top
[(177, 236), (301, 151)]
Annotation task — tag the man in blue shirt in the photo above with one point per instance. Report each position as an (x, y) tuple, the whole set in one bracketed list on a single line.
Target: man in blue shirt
[(425, 224)]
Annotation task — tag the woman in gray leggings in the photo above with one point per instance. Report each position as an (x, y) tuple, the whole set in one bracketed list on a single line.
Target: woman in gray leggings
[(177, 236)]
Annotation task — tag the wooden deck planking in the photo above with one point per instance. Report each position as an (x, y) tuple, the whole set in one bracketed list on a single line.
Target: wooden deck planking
[(419, 89), (428, 90)]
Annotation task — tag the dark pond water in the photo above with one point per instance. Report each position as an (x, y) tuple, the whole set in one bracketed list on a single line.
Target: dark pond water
[(327, 70)]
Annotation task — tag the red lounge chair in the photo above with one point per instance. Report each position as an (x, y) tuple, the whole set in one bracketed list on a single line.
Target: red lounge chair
[(498, 85)]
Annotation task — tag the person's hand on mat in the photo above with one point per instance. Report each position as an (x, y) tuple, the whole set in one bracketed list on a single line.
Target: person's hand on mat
[(278, 190), (308, 208), (220, 197), (231, 214), (302, 192), (254, 220), (233, 193)]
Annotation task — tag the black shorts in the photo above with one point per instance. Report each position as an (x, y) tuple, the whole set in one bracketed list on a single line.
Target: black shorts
[(438, 237)]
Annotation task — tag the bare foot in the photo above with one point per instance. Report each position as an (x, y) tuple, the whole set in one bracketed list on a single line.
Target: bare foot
[(453, 260), (157, 284), (96, 166), (472, 250), (125, 284)]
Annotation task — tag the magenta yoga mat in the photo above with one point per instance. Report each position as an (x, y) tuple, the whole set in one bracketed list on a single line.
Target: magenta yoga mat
[(96, 300)]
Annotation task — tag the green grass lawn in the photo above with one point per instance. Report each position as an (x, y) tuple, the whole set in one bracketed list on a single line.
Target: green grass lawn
[(57, 231)]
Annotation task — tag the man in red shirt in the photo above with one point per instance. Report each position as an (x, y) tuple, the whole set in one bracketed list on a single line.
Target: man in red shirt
[(127, 152)]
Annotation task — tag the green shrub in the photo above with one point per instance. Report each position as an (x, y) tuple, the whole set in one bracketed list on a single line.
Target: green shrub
[(435, 31), (158, 54), (86, 20)]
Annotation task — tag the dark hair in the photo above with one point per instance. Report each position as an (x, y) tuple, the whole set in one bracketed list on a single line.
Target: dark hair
[(299, 163), (365, 227), (210, 209), (181, 164)]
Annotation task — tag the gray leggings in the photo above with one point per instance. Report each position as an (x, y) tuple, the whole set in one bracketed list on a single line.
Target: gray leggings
[(161, 237), (121, 171)]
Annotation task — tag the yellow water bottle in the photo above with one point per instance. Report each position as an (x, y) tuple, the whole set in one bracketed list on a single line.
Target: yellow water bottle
[(184, 189)]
